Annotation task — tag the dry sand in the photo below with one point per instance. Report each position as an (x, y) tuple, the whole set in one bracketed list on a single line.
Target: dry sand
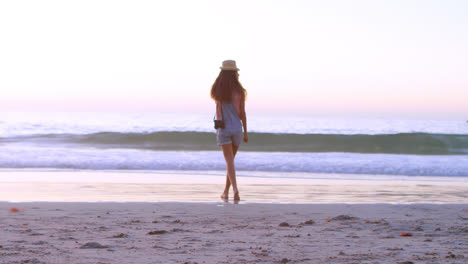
[(50, 232)]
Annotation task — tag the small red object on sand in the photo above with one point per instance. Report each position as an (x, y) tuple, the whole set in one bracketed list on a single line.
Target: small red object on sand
[(15, 210), (328, 219), (405, 234)]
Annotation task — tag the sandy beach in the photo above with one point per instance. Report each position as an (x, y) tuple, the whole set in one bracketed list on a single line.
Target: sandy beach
[(57, 217), (51, 232)]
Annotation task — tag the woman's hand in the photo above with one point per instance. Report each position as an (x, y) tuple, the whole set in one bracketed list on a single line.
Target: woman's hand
[(246, 138)]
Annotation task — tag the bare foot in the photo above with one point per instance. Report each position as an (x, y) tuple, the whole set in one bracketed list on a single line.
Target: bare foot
[(225, 196), (236, 196)]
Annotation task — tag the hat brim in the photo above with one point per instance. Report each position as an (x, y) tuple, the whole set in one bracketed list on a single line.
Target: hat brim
[(229, 69)]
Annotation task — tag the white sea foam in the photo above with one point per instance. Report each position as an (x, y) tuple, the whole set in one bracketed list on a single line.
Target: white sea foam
[(129, 159)]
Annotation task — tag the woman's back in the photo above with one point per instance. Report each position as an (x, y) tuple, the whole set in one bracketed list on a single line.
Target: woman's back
[(230, 115)]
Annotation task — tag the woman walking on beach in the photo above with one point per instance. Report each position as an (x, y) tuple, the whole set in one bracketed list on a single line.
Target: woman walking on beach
[(229, 96)]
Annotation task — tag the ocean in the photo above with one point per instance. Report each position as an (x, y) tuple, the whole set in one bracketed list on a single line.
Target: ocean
[(281, 145)]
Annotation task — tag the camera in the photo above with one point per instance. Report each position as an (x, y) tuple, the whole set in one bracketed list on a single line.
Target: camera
[(219, 124)]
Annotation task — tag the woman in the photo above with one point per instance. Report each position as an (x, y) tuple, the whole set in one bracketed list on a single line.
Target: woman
[(230, 107)]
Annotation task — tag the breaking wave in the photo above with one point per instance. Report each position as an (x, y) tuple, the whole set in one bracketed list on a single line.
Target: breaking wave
[(402, 143)]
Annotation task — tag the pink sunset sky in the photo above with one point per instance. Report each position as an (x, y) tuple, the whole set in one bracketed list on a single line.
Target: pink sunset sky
[(400, 57)]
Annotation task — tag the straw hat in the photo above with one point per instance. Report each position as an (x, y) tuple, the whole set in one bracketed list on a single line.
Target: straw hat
[(229, 65)]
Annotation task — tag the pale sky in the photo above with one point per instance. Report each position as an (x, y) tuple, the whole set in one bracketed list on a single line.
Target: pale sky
[(402, 57)]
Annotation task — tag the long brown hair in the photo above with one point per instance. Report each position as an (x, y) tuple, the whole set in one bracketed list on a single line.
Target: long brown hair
[(225, 85)]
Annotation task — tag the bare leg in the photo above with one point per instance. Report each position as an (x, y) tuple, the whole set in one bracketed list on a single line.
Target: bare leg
[(231, 171), (225, 194)]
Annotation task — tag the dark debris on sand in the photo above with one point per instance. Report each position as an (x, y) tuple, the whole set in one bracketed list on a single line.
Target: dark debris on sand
[(157, 232), (450, 255), (92, 245), (458, 229), (121, 235), (32, 261), (344, 218)]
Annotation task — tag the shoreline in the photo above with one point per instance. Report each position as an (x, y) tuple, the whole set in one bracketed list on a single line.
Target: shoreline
[(98, 186), (206, 176)]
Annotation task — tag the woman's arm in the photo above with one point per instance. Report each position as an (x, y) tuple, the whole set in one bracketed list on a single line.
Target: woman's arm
[(243, 117), (218, 110)]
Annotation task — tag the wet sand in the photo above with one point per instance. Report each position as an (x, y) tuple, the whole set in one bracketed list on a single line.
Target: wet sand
[(92, 186)]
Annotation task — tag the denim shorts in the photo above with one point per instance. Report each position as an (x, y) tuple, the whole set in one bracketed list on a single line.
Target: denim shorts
[(224, 137)]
